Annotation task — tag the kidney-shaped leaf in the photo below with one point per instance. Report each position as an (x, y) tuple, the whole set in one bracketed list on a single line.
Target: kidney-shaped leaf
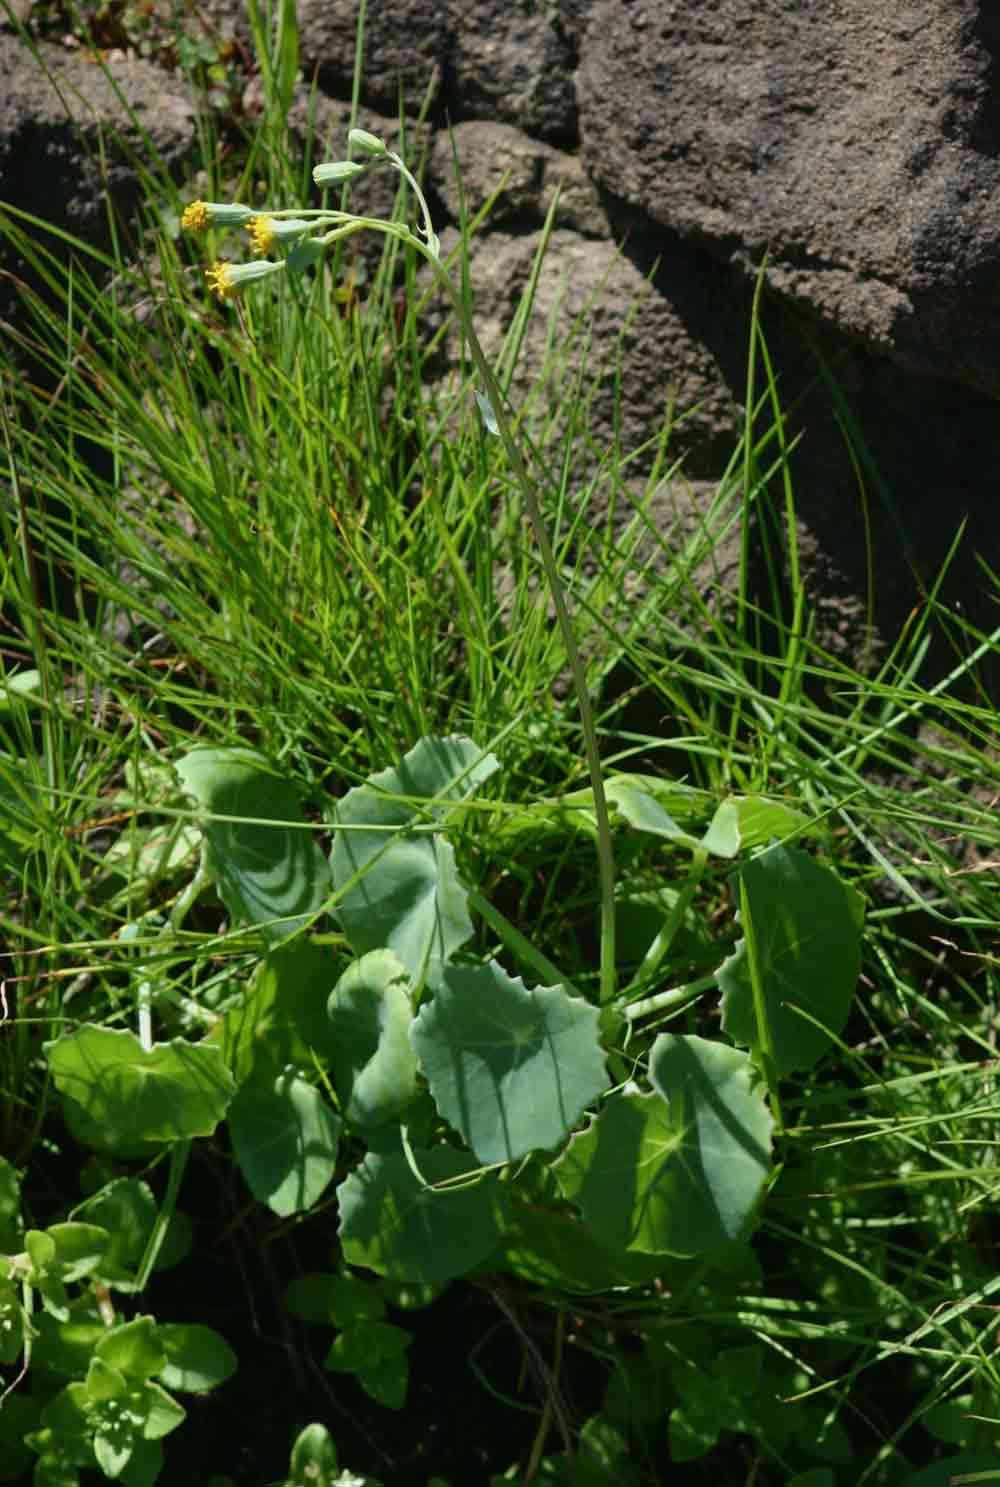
[(511, 1069), (681, 1170), (285, 1137), (392, 1224), (127, 1093), (269, 870), (374, 1067), (805, 933), (399, 890)]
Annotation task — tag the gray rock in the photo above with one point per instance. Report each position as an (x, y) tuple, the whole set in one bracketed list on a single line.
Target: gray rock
[(58, 119), (535, 173), (855, 145)]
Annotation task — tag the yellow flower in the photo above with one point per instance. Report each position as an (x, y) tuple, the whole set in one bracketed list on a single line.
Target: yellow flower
[(225, 280), (261, 231), (220, 280), (202, 214), (268, 232), (195, 217)]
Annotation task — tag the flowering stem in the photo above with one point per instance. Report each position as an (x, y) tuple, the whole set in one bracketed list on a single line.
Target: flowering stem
[(605, 850)]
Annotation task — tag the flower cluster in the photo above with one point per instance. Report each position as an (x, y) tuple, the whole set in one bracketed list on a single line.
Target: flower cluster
[(271, 231)]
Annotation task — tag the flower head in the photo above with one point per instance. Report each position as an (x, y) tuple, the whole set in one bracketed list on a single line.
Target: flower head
[(225, 280), (265, 232), (203, 214)]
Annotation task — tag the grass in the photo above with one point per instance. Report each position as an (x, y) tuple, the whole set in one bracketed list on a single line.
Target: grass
[(273, 525)]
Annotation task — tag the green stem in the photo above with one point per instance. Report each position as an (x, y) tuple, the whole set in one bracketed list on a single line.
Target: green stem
[(179, 1153), (605, 850)]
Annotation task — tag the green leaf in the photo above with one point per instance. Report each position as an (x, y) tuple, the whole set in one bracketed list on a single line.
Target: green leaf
[(805, 934), (374, 1067), (643, 811), (367, 1343), (79, 1248), (689, 1435), (10, 1208), (170, 1092), (556, 1249), (11, 1322), (376, 1353), (285, 1137), (134, 1348), (197, 1358), (679, 1171), (113, 1443), (511, 1070), (19, 687), (313, 1460), (126, 1210), (752, 821), (342, 1299), (66, 1347), (104, 1382), (281, 1017), (67, 1414), (395, 889), (159, 1413), (144, 1464), (392, 1224), (269, 869), (44, 1274)]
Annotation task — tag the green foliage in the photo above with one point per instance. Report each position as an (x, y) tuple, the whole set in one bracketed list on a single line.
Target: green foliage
[(678, 1171), (788, 987), (407, 1044), (268, 875), (115, 1407), (285, 1138), (120, 1096)]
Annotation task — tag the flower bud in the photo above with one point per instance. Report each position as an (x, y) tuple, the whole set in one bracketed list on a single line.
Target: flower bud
[(368, 144), (337, 170), (267, 232)]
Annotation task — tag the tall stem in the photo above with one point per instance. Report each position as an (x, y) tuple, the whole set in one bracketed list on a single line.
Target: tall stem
[(605, 850)]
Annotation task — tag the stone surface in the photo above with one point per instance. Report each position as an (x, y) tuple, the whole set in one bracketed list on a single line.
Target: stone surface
[(508, 60), (855, 144), (56, 121)]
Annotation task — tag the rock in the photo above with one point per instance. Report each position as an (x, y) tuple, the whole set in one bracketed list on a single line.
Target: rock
[(57, 119), (536, 173), (856, 145)]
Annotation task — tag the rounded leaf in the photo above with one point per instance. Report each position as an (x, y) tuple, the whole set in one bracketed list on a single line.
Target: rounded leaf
[(374, 1067), (511, 1070), (805, 933), (679, 1171), (394, 1225), (268, 868), (399, 890), (128, 1093), (197, 1358), (285, 1137)]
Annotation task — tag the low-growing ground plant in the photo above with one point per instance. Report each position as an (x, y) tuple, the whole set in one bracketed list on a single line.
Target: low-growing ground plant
[(671, 1045)]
